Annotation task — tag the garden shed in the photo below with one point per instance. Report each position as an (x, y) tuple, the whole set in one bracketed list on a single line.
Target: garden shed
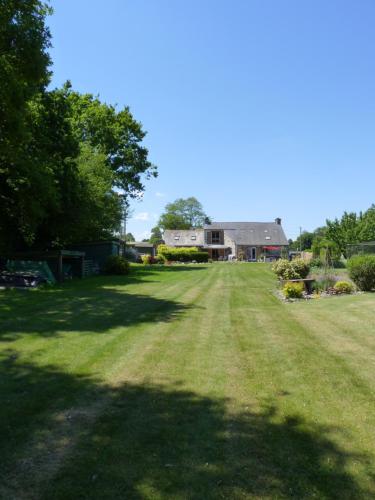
[(99, 251), (142, 247)]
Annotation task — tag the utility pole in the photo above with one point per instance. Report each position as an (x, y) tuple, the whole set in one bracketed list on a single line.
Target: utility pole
[(300, 242), (126, 214)]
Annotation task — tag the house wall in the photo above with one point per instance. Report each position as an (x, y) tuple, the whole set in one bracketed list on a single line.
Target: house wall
[(247, 248), (229, 243)]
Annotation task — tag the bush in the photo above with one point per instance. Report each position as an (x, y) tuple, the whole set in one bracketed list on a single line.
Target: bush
[(324, 284), (115, 264), (339, 264), (362, 271), (301, 267), (343, 287), (293, 290), (149, 259), (283, 270), (200, 256), (289, 270), (181, 254), (316, 262)]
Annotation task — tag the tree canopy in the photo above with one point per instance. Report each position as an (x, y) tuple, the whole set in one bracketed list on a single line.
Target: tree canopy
[(156, 236), (303, 242), (69, 163), (350, 228), (183, 214)]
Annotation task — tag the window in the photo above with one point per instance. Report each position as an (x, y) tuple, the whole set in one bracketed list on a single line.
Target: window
[(215, 235), (193, 237), (176, 237), (268, 237)]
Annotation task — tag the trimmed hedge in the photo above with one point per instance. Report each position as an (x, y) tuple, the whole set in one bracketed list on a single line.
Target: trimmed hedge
[(362, 271), (182, 254)]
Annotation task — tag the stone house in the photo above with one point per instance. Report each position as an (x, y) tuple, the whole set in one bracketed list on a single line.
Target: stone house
[(242, 240)]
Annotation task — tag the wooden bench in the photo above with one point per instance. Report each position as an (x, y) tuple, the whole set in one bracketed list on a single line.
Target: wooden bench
[(308, 283)]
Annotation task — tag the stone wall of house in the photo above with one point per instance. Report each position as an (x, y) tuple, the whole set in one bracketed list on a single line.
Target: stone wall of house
[(228, 242), (244, 249)]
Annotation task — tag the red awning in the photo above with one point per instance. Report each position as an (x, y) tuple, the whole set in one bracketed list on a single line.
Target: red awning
[(271, 248)]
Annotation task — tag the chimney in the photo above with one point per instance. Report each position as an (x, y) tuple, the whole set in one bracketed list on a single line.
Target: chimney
[(278, 221)]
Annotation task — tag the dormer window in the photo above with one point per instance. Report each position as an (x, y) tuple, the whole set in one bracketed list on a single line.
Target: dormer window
[(268, 237), (193, 237), (177, 238)]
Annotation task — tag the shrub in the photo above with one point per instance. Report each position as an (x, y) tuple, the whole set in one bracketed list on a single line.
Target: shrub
[(301, 267), (283, 269), (115, 264), (146, 259), (343, 287), (293, 290), (362, 271), (200, 256), (316, 262), (324, 283), (339, 264), (149, 259), (289, 270), (181, 254)]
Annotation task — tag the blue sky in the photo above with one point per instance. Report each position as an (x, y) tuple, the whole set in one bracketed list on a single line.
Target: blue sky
[(260, 109)]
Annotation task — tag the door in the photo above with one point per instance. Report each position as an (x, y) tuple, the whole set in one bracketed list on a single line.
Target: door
[(251, 253), (215, 253)]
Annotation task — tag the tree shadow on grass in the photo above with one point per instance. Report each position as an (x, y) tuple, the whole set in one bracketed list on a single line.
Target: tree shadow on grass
[(72, 437), (87, 311), (91, 305)]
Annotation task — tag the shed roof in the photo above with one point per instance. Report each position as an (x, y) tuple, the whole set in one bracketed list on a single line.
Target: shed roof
[(144, 244)]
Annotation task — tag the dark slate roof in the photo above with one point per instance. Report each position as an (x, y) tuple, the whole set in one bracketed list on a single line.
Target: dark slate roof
[(252, 233)]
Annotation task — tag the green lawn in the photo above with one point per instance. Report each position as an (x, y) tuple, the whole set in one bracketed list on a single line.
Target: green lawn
[(189, 382)]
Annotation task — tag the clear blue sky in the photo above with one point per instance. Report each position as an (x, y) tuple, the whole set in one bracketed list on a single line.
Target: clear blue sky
[(258, 108)]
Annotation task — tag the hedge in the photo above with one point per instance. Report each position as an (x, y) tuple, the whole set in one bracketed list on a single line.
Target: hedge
[(181, 254)]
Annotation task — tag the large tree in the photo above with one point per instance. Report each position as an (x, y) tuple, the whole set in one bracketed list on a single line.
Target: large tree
[(116, 134), (367, 225), (24, 62), (24, 73), (183, 214), (69, 163), (156, 236), (129, 237), (344, 231), (303, 242)]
